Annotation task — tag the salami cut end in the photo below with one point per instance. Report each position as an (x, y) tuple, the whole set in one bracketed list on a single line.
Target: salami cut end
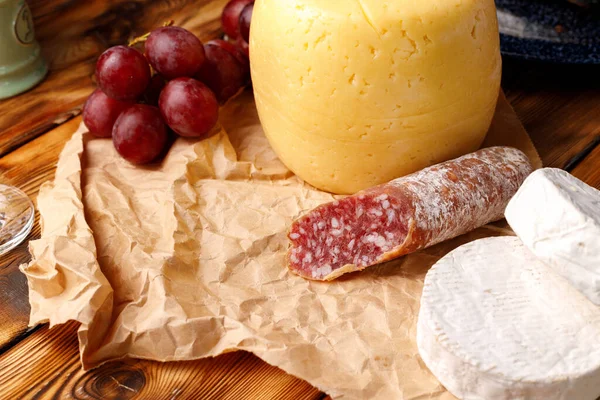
[(406, 214), (347, 235)]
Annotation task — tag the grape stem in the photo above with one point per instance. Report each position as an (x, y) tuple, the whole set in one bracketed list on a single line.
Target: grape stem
[(139, 39), (144, 37)]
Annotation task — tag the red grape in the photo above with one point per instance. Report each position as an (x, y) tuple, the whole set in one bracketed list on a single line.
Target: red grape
[(174, 52), (231, 17), (139, 135), (243, 46), (152, 93), (222, 72), (244, 24), (122, 73), (189, 107), (100, 113), (234, 51)]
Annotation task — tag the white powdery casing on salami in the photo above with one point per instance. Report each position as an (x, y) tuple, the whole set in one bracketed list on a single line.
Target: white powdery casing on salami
[(406, 214), (497, 323), (557, 216), (483, 190)]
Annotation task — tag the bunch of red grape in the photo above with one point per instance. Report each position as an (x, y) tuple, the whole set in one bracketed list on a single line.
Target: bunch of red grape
[(136, 107)]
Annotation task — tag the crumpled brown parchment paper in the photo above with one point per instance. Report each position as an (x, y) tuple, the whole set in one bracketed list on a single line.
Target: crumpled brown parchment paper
[(185, 260)]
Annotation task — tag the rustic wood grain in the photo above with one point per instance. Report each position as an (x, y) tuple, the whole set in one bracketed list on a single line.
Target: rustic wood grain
[(557, 104), (72, 35), (589, 169), (46, 366), (14, 309)]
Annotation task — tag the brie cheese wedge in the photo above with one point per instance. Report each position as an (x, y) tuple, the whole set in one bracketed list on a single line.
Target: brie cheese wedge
[(557, 216)]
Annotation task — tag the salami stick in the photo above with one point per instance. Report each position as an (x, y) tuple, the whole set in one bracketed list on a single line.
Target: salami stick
[(407, 214)]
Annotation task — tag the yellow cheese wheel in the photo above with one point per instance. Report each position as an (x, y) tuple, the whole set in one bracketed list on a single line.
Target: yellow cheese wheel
[(354, 93)]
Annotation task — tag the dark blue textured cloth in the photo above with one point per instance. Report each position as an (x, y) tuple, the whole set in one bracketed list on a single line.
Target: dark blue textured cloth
[(549, 30)]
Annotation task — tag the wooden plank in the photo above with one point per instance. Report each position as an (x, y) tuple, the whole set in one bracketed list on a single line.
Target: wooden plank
[(46, 366), (14, 312), (72, 35), (589, 170), (558, 105), (561, 123)]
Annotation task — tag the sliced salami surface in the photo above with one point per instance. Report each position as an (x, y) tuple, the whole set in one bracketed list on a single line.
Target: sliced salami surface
[(406, 214)]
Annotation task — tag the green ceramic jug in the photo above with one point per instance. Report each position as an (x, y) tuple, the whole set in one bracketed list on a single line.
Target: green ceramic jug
[(21, 62)]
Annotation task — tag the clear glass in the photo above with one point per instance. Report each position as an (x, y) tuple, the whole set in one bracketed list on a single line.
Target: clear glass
[(16, 217)]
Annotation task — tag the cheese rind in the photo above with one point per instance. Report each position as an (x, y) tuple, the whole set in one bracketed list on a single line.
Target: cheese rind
[(557, 216), (355, 93), (496, 323)]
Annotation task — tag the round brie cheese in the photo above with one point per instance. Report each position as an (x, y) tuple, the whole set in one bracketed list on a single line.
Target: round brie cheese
[(496, 323)]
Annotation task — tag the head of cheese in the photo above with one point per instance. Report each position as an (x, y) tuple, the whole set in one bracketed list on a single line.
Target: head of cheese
[(354, 93)]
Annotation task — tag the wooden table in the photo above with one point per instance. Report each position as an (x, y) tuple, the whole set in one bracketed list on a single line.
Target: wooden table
[(559, 106)]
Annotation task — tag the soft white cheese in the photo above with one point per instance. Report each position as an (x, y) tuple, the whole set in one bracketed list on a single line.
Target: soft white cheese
[(558, 217), (497, 323)]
